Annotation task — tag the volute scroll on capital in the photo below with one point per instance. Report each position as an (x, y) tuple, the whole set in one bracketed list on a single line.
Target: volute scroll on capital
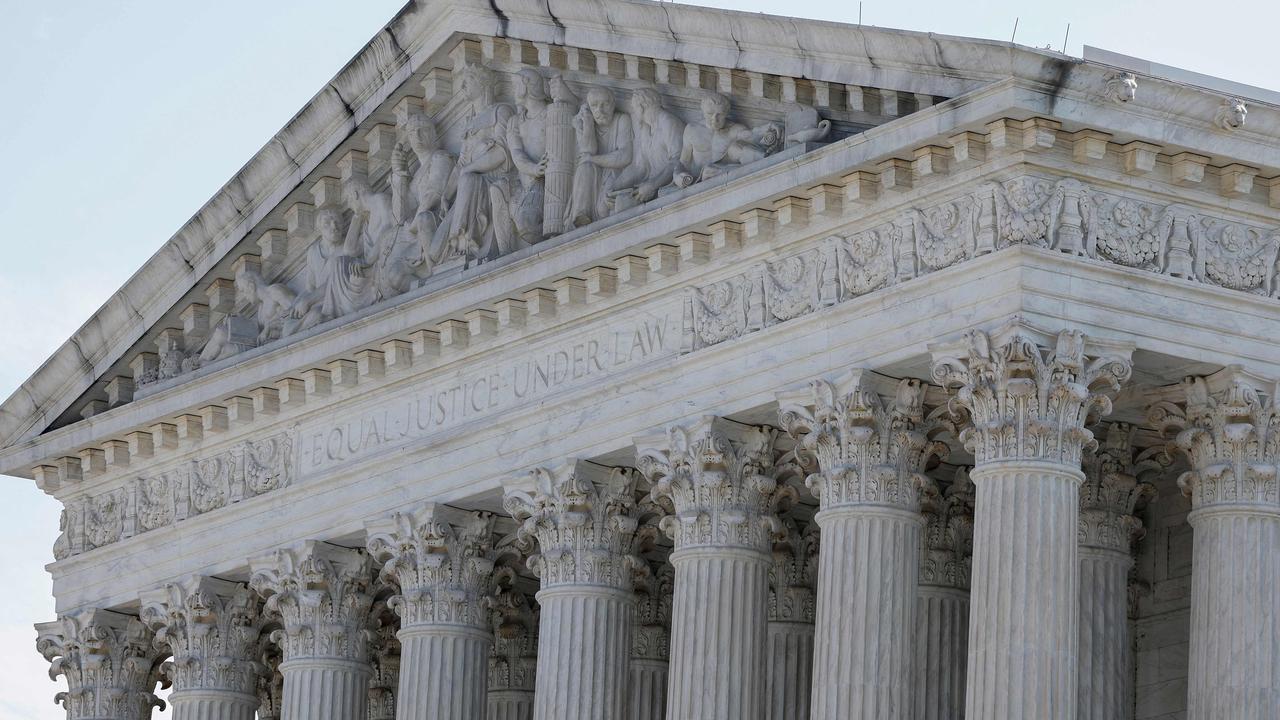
[(793, 577), (110, 662), (946, 552), (719, 481), (1116, 484), (1022, 395), (869, 450)]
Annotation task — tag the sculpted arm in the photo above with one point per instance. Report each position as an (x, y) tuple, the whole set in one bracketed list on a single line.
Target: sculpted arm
[(622, 155), (494, 156)]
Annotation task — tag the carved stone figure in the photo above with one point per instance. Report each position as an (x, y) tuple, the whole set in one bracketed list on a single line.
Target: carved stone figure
[(605, 150), (270, 304), (1121, 87), (1231, 114), (561, 157), (480, 220), (658, 138), (391, 252), (420, 199), (803, 125), (718, 145), (335, 280), (527, 141)]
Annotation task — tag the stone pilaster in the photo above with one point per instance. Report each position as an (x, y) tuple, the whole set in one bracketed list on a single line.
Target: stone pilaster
[(1108, 527), (651, 643), (321, 593), (583, 518), (440, 558), (384, 658), (942, 607), (789, 645), (1231, 436), (110, 663), (1025, 399), (870, 455), (212, 628), (514, 662), (717, 478)]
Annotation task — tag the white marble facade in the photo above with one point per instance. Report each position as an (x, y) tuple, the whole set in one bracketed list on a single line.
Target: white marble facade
[(618, 360)]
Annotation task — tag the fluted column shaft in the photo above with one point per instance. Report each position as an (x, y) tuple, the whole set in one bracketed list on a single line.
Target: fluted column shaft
[(1106, 656), (1023, 634), (789, 681), (442, 672), (941, 652), (717, 636), (1235, 598), (212, 705), (583, 652), (510, 705), (324, 689), (647, 691), (863, 653)]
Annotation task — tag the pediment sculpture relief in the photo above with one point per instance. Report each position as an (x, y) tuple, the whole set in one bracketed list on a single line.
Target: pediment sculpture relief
[(554, 157)]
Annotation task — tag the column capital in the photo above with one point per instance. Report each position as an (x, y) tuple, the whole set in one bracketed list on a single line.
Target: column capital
[(212, 627), (109, 660), (513, 662), (870, 450), (651, 631), (794, 572), (1024, 395), (321, 592), (947, 545), (583, 518), (1228, 427), (718, 478), (384, 657), (441, 560), (1113, 489), (270, 688)]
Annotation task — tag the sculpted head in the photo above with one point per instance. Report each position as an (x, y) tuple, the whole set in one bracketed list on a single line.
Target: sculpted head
[(329, 223), (421, 135), (647, 103), (602, 105), (1231, 114), (355, 190), (247, 283), (530, 85), (478, 84), (1122, 87), (715, 111)]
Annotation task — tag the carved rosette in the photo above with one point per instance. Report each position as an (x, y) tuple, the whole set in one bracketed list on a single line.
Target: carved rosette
[(109, 660), (794, 573), (321, 593), (869, 451), (583, 517), (1232, 439), (1021, 401), (947, 546), (1112, 490), (384, 657), (212, 628), (513, 663), (651, 631), (440, 558), (718, 479)]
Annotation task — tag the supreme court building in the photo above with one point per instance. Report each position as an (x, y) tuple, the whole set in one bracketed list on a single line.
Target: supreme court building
[(618, 360)]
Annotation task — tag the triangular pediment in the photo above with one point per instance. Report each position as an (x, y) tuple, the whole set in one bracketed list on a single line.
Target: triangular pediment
[(439, 120)]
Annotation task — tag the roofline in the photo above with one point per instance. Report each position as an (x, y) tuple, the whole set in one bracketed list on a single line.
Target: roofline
[(1180, 75)]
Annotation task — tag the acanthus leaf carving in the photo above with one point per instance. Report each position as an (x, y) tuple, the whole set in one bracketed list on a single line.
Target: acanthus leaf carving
[(513, 661), (109, 660), (1113, 490), (946, 553), (793, 576)]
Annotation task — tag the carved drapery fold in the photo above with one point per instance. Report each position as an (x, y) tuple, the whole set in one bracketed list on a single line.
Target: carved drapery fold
[(212, 628), (109, 660), (1231, 437)]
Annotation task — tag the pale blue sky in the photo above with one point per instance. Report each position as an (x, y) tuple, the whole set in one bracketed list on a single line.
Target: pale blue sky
[(120, 118)]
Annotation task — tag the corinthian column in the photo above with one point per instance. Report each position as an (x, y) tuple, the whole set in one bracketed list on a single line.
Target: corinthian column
[(583, 518), (1231, 435), (942, 607), (321, 593), (514, 662), (1108, 527), (651, 643), (718, 478), (439, 557), (1025, 407), (109, 660), (384, 658), (211, 626), (789, 647), (871, 456)]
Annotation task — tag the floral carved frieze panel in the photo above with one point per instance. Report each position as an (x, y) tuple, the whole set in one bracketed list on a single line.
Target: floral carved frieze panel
[(1065, 215), (194, 487)]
